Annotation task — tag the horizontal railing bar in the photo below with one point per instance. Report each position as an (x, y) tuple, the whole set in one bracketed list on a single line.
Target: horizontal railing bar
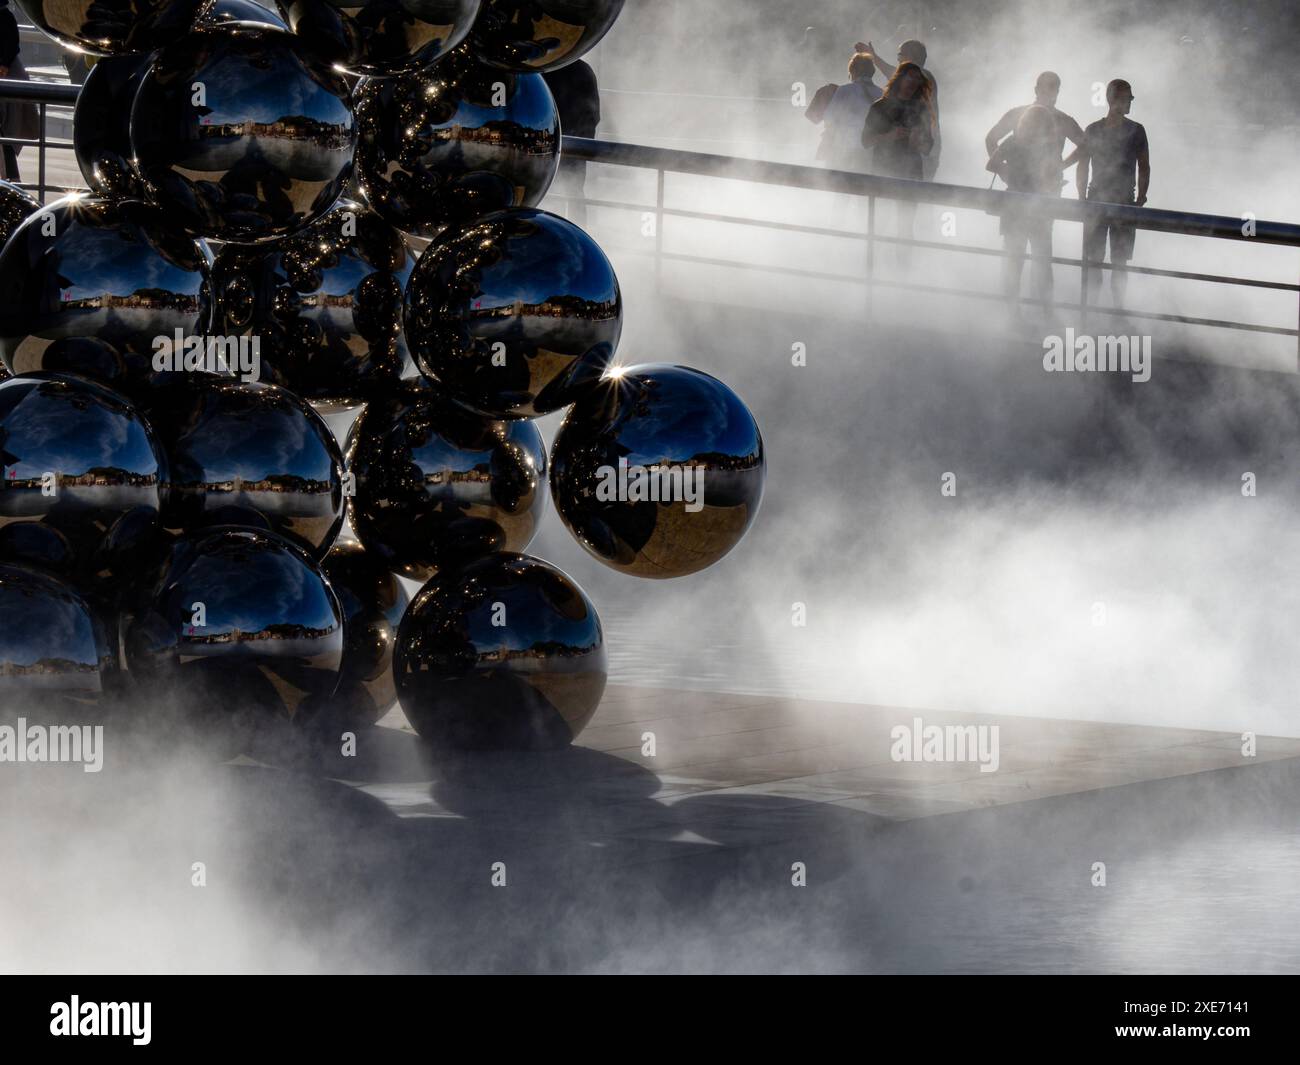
[(994, 201), (28, 142), (971, 249), (857, 279), (56, 92)]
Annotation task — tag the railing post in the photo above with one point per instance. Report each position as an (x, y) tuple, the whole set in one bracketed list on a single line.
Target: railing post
[(871, 257), (659, 230), (1083, 287), (40, 157)]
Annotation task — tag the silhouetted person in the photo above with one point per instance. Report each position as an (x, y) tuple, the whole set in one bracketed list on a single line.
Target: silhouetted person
[(1030, 162), (845, 115), (577, 97), (1046, 90), (914, 52), (1113, 155), (899, 131), (11, 118)]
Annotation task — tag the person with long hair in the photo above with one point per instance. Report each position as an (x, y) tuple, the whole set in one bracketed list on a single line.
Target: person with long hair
[(899, 133), (914, 51)]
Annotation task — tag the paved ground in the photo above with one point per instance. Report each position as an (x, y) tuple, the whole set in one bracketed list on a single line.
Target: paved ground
[(796, 762)]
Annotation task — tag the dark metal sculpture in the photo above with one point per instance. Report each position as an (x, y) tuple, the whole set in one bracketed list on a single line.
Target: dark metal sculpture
[(235, 631), (438, 485), (447, 144), (249, 454), (325, 305), (241, 133), (515, 315), (540, 35), (504, 654), (658, 472), (380, 36), (112, 273)]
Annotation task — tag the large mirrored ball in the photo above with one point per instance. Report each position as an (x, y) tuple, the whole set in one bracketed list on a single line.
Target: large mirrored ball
[(373, 601), (101, 127), (437, 485), (447, 144), (516, 315), (540, 35), (246, 453), (82, 476), (58, 661), (241, 11), (237, 631), (15, 206), (324, 305), (88, 286), (242, 134), (380, 36), (504, 654), (114, 27), (659, 472)]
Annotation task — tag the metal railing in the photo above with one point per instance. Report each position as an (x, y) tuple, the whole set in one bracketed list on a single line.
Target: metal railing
[(663, 161), (872, 187), (43, 94)]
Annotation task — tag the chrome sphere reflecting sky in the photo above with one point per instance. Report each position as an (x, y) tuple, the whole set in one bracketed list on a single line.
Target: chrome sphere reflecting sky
[(468, 681), (380, 36), (240, 11), (114, 273), (250, 454), (101, 127), (515, 315), (540, 35), (325, 305), (437, 485), (268, 637), (74, 457), (57, 658), (658, 472), (261, 151), (457, 140), (114, 27)]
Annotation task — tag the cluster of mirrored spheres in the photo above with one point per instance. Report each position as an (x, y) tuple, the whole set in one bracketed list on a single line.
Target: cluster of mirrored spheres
[(331, 209)]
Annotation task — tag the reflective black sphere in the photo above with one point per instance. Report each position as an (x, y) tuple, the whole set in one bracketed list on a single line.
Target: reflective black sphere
[(101, 127), (540, 35), (237, 629), (82, 476), (438, 485), (114, 274), (373, 602), (504, 654), (57, 658), (267, 149), (659, 472), (445, 145), (224, 11), (113, 27), (15, 205), (515, 315), (324, 303), (249, 454), (380, 36)]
